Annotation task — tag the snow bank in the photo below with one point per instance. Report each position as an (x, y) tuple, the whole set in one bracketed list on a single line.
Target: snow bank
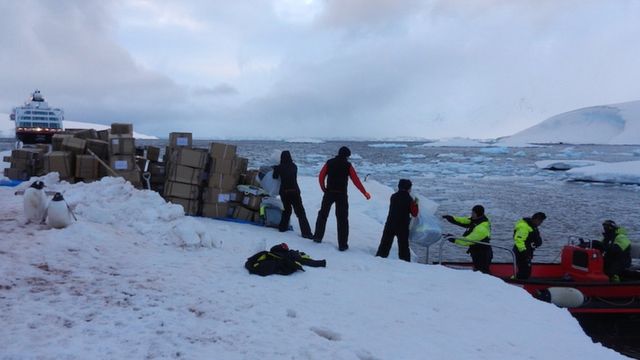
[(8, 128), (495, 150), (626, 172), (563, 165), (134, 278), (610, 124)]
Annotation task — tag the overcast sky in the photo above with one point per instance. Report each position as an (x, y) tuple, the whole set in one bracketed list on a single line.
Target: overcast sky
[(320, 68)]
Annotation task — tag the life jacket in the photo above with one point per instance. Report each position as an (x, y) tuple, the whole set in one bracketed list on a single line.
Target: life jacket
[(338, 174), (267, 263)]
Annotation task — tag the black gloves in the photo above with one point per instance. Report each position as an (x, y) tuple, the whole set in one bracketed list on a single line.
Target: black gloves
[(449, 218)]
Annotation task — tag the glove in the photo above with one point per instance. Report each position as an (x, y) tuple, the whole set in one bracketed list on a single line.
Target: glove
[(451, 239), (367, 195), (447, 217)]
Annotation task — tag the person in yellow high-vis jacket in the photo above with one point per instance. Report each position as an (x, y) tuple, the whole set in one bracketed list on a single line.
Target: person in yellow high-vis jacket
[(478, 230), (526, 238)]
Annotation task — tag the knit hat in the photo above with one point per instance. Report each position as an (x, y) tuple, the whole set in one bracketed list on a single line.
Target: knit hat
[(404, 184), (478, 209), (609, 225), (539, 215), (344, 152)]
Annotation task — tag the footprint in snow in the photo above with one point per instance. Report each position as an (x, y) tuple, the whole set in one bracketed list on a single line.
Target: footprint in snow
[(326, 333)]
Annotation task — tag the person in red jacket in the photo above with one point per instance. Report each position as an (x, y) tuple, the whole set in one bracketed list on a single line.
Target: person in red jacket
[(337, 172), (401, 206)]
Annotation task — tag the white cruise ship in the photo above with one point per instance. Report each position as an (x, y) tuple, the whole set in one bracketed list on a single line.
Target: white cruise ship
[(36, 122)]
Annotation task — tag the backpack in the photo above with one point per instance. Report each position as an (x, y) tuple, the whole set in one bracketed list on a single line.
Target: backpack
[(267, 263)]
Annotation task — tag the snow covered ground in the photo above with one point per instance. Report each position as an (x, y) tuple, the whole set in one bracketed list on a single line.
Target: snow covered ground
[(610, 124), (7, 127), (134, 278)]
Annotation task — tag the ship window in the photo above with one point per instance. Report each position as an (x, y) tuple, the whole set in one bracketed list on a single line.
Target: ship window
[(25, 117), (54, 126), (25, 124), (51, 113), (40, 112), (580, 259), (53, 119), (27, 112), (40, 124)]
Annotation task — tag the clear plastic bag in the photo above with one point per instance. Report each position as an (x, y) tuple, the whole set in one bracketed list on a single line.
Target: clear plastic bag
[(424, 230)]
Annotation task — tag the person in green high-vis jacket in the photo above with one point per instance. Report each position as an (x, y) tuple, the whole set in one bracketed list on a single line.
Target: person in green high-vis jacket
[(526, 238), (478, 231), (617, 249)]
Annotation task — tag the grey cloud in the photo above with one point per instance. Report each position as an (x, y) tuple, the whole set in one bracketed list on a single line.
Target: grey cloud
[(218, 90)]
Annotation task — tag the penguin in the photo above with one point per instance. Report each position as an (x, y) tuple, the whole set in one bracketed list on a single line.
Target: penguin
[(35, 203), (58, 213)]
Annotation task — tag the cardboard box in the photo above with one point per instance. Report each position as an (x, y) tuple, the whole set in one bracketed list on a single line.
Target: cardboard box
[(122, 145), (158, 173), (219, 210), (133, 176), (87, 167), (56, 141), (74, 144), (217, 196), (43, 148), (104, 134), (228, 166), (61, 162), (24, 154), (180, 190), (153, 153), (190, 206), (23, 164), (122, 129), (194, 158), (222, 151), (87, 134), (252, 202), (242, 165), (179, 139), (99, 147), (184, 174), (17, 174), (223, 182), (242, 213), (251, 178), (122, 162)]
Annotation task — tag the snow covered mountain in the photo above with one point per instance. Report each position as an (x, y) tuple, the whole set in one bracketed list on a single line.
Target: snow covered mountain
[(7, 127), (608, 124)]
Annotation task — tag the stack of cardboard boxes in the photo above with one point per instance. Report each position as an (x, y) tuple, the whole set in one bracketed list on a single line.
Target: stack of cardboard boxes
[(156, 169), (122, 151), (25, 163), (185, 171)]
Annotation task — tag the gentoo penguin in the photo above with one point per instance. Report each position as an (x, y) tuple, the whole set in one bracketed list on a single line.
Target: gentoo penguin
[(35, 203), (58, 213)]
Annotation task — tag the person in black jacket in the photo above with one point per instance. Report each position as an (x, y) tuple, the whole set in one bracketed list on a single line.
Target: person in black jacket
[(287, 172), (337, 172), (401, 206)]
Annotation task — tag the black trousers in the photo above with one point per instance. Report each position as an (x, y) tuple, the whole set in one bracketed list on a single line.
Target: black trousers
[(402, 233), (523, 261), (342, 217), (481, 255), (293, 201)]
